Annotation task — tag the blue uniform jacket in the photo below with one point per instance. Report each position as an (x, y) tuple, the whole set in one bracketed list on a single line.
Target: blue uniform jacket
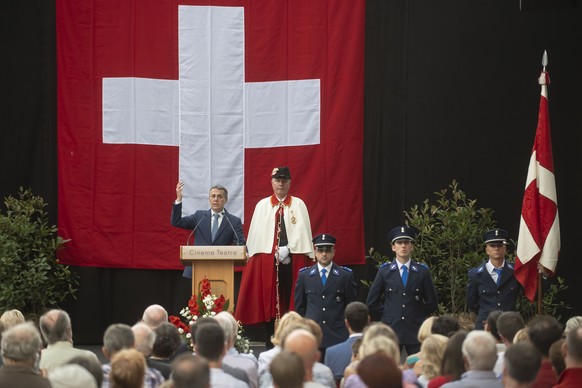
[(404, 308), (484, 295), (201, 220), (326, 304)]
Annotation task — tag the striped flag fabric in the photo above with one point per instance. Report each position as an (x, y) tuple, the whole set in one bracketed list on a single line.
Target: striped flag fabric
[(539, 229)]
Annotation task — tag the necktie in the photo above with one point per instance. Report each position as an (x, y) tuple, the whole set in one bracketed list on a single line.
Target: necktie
[(498, 272), (323, 277), (215, 226), (404, 275)]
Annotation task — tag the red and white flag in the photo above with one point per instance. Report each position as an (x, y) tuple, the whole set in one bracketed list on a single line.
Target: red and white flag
[(539, 228), (210, 92)]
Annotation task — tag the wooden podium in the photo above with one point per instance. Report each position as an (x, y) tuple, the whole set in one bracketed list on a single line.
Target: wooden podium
[(216, 262)]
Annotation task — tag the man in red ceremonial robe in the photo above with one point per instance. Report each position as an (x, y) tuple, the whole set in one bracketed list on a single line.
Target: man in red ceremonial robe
[(278, 244)]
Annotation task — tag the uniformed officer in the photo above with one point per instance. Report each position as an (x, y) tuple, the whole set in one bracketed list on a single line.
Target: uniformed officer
[(324, 290), (408, 291), (492, 286)]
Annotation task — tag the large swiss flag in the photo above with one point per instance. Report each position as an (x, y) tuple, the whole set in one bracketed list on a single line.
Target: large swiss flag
[(115, 196)]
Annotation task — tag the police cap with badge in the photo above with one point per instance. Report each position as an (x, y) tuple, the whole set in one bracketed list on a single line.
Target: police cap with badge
[(324, 240), (403, 232), (495, 236)]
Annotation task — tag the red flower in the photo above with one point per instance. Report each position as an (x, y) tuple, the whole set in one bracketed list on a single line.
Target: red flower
[(179, 324), (205, 287), (193, 306), (219, 304)]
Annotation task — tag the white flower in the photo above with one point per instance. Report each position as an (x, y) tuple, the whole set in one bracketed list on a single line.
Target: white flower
[(189, 335), (181, 331)]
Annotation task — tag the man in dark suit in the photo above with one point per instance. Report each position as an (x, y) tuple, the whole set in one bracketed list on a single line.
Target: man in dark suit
[(408, 291), (214, 226), (338, 357), (492, 286), (323, 291)]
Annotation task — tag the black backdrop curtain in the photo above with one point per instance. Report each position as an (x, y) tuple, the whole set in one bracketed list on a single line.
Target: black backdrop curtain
[(451, 93)]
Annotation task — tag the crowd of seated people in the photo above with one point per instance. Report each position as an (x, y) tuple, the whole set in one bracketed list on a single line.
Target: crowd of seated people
[(509, 352)]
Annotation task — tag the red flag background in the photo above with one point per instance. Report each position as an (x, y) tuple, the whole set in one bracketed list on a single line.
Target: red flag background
[(115, 199), (539, 229)]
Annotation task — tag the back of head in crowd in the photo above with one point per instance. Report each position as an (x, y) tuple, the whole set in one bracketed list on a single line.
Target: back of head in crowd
[(210, 340), (167, 341), (21, 344), (11, 318), (288, 370), (557, 357), (522, 362), (286, 320), (543, 331), (357, 316), (128, 367), (574, 348), (433, 350), (154, 315), (491, 323), (572, 323), (425, 328), (189, 371), (480, 351), (508, 324), (379, 370), (452, 363), (446, 325), (55, 325), (118, 336), (71, 376)]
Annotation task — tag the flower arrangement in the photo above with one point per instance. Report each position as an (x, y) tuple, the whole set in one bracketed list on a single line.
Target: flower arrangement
[(206, 304)]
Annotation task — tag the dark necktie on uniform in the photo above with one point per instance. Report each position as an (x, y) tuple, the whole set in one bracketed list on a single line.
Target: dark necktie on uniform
[(498, 272), (323, 277), (404, 275), (215, 226)]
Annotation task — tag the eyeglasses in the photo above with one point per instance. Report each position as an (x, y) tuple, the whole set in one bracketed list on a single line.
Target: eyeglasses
[(325, 248)]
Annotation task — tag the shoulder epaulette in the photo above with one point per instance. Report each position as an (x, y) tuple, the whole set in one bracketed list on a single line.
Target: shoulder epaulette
[(303, 269), (385, 264), (346, 268)]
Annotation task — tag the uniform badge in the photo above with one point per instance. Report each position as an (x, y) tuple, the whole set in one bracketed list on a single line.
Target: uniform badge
[(293, 219)]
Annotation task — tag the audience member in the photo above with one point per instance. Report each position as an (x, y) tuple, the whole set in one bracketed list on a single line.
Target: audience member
[(557, 357), (446, 325), (508, 323), (11, 318), (93, 366), (167, 341), (304, 343), (210, 344), (265, 357), (337, 357), (572, 323), (154, 315), (521, 336), (21, 345), (491, 326), (543, 331), (414, 361), (288, 370), (57, 331), (190, 371), (479, 354), (118, 337), (246, 362), (572, 350), (71, 376), (453, 364), (432, 350), (522, 362), (237, 373), (128, 369), (379, 370)]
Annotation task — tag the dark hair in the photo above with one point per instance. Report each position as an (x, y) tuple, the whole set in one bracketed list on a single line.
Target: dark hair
[(167, 340), (452, 363), (492, 323), (379, 370), (287, 369), (543, 331), (209, 341), (446, 325), (509, 323), (556, 357), (189, 371), (222, 188), (522, 361), (357, 314)]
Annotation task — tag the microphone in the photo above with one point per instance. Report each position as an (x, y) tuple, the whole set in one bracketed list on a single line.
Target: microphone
[(231, 227), (194, 230)]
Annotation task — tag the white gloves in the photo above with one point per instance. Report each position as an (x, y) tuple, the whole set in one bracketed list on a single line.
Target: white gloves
[(282, 254)]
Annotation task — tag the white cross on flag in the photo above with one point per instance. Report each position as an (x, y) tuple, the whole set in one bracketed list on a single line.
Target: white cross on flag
[(155, 91), (539, 228)]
